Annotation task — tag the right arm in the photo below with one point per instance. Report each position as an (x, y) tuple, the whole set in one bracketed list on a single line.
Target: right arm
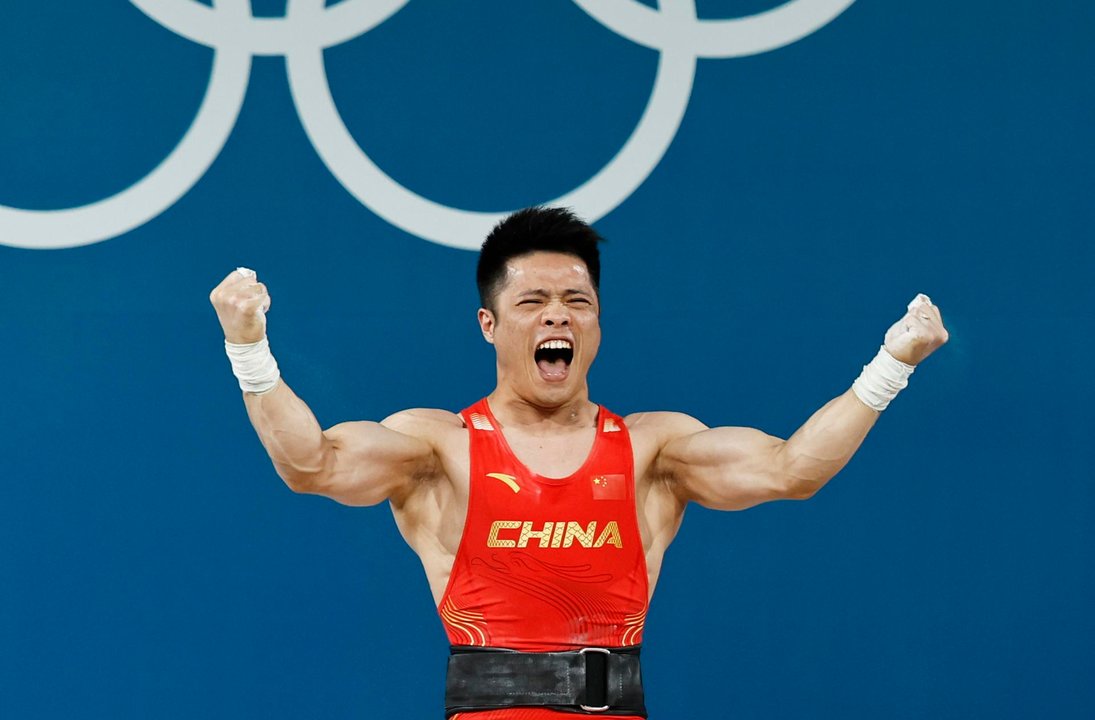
[(355, 463), (358, 463)]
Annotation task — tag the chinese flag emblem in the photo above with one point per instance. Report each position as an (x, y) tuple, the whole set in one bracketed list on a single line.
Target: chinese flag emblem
[(609, 487)]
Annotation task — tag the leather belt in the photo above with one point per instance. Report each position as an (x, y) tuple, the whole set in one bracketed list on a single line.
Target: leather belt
[(592, 680)]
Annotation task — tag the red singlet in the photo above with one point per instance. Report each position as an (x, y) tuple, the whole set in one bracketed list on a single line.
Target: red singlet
[(544, 563)]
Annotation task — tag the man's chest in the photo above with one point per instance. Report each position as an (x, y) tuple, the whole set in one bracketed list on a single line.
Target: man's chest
[(551, 456), (539, 459), (434, 517)]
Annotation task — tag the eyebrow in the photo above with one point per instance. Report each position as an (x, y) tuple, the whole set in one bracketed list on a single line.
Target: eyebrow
[(544, 293)]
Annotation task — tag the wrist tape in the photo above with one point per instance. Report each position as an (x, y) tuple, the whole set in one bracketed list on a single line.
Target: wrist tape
[(881, 380), (253, 365)]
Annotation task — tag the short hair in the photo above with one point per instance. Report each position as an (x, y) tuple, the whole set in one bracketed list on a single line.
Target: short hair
[(535, 229)]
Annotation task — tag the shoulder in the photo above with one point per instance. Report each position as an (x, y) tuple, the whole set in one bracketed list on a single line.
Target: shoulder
[(663, 425), (440, 434), (424, 423), (651, 434)]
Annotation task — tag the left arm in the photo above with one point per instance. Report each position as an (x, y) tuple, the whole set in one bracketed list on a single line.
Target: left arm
[(732, 468)]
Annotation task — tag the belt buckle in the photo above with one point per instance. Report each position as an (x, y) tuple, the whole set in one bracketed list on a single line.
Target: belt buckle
[(583, 651)]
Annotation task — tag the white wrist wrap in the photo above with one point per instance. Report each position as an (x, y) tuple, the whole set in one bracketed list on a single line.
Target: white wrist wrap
[(253, 365), (881, 380)]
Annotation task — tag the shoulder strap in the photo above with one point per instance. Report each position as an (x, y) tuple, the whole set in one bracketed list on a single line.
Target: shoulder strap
[(477, 417)]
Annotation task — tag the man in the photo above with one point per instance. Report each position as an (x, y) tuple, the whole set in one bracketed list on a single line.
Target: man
[(540, 518)]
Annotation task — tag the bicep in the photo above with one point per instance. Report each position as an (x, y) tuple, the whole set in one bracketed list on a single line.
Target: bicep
[(725, 468), (369, 462)]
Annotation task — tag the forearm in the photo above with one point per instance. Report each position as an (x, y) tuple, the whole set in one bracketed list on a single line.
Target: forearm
[(358, 463), (732, 468), (825, 443), (291, 435)]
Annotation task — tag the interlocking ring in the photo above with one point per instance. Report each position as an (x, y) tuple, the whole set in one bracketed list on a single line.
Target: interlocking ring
[(309, 27)]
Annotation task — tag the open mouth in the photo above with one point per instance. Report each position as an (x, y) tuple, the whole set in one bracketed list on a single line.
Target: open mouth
[(553, 357)]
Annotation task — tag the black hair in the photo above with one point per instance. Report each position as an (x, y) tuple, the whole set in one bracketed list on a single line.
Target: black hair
[(535, 229)]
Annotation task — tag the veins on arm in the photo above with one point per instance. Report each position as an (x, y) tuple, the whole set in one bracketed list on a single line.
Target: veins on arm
[(357, 463), (732, 468), (723, 468)]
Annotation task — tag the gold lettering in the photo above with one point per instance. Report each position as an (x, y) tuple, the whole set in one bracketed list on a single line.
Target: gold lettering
[(493, 539), (554, 534), (585, 537), (557, 537), (611, 535), (542, 535)]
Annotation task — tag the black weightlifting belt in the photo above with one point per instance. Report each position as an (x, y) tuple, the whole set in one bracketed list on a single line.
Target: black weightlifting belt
[(604, 681)]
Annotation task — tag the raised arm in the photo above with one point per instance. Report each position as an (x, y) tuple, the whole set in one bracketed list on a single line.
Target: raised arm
[(359, 463), (732, 468)]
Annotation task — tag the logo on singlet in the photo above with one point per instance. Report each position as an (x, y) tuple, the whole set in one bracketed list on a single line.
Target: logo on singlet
[(558, 534), (509, 480)]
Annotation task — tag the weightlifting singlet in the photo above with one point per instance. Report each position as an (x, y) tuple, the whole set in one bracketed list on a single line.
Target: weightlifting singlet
[(547, 564)]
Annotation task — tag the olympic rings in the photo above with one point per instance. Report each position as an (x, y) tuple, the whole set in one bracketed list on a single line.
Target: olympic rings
[(309, 27)]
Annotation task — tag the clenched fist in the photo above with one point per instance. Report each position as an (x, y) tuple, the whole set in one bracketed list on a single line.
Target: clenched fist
[(241, 302), (918, 334)]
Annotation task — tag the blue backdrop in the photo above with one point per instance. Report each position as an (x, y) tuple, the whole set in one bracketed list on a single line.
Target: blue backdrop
[(152, 565)]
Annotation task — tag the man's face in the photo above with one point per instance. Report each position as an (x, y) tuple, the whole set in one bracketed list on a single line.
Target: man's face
[(545, 327)]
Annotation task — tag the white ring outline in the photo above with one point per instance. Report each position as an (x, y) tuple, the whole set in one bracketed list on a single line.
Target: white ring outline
[(733, 37), (159, 189), (270, 35), (309, 27), (466, 229)]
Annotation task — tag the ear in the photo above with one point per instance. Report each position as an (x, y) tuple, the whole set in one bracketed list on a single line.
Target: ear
[(486, 324)]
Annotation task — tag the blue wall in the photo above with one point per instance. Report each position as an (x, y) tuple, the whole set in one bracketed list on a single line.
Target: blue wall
[(152, 565)]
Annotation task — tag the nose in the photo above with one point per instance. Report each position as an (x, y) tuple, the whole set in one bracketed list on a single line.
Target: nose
[(556, 314)]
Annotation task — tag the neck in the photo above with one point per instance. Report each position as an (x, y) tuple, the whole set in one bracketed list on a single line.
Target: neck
[(512, 409)]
